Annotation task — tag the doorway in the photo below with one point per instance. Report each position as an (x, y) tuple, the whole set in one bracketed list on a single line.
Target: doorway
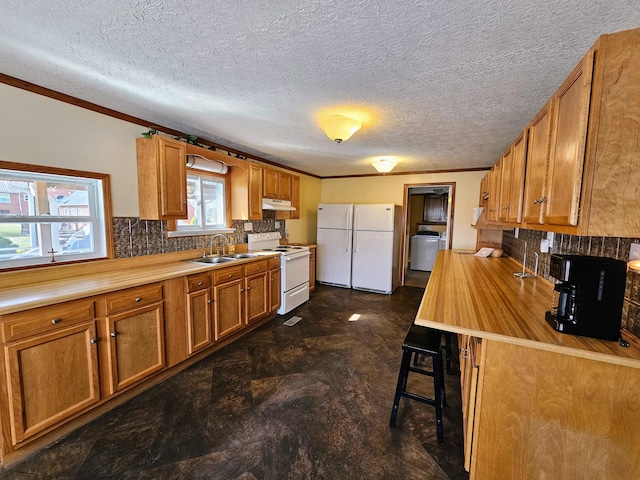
[(428, 210)]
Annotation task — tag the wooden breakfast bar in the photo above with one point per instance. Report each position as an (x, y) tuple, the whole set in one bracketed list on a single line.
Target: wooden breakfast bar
[(537, 404)]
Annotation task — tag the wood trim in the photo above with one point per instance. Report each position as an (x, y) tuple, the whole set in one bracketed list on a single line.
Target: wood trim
[(105, 178), (37, 89), (418, 172)]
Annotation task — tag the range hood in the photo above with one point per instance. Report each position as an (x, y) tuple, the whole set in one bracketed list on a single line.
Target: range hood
[(281, 205)]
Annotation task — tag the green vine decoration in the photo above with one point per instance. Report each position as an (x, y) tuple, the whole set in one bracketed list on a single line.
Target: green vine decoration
[(150, 133)]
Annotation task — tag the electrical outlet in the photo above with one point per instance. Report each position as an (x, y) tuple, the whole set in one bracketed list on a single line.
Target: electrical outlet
[(516, 232), (277, 224), (248, 227), (634, 252)]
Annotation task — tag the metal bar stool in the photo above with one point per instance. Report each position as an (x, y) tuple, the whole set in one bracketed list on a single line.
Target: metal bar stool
[(422, 341)]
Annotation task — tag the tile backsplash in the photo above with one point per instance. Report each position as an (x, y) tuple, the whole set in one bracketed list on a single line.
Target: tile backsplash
[(612, 247), (134, 237)]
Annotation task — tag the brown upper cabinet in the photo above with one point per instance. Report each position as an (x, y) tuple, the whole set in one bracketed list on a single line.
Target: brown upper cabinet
[(537, 163), (581, 165), (162, 178), (571, 107), (435, 208), (276, 184)]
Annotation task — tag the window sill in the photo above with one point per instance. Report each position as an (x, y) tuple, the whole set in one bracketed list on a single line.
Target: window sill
[(195, 233)]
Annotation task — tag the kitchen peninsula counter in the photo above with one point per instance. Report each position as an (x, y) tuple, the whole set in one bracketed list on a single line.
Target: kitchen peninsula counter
[(541, 404)]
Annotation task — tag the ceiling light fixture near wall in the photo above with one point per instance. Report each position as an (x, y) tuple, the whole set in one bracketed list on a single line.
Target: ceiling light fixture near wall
[(384, 165), (339, 127)]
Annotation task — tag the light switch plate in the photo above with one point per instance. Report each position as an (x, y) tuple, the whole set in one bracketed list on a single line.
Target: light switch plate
[(634, 252)]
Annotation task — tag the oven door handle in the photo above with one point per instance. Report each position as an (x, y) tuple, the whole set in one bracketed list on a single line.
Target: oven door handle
[(295, 256)]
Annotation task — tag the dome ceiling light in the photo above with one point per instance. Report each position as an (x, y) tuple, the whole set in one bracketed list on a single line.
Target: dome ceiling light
[(384, 165), (339, 127)]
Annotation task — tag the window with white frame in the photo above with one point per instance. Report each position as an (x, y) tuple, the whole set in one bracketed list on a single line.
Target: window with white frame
[(51, 215), (206, 203)]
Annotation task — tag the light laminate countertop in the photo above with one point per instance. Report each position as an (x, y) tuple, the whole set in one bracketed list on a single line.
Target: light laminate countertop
[(481, 297)]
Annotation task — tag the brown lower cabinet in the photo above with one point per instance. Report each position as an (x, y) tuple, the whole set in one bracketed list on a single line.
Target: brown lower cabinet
[(64, 360)]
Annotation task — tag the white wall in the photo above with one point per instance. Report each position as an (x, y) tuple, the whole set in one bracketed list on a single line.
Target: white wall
[(41, 131)]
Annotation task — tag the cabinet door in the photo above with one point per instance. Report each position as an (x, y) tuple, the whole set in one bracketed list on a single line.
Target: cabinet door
[(50, 378), (199, 320), (274, 289), (255, 192), (516, 188), (312, 269), (136, 345), (571, 114), (434, 209), (295, 200), (537, 165), (505, 185), (173, 179), (493, 215), (256, 297), (285, 186), (227, 300), (270, 183)]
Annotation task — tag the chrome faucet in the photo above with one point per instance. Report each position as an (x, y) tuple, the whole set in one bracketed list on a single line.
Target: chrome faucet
[(226, 242)]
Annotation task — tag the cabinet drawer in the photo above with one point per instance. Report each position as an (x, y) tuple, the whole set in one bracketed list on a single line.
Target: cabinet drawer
[(45, 319), (198, 281), (133, 297), (255, 267), (274, 262), (226, 275)]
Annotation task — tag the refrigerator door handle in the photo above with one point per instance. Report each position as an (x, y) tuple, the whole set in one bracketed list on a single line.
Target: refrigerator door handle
[(348, 215), (355, 241), (355, 218)]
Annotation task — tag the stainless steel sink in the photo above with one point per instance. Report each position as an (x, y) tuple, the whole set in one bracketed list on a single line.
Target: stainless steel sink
[(213, 259), (241, 255)]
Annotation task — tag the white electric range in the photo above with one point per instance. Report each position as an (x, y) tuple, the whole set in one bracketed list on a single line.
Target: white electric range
[(294, 268)]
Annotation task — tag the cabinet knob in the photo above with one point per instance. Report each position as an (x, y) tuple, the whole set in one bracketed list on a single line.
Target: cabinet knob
[(242, 290), (209, 301), (230, 275), (248, 288), (113, 334), (536, 201), (93, 341), (199, 283), (55, 321), (543, 199), (138, 299)]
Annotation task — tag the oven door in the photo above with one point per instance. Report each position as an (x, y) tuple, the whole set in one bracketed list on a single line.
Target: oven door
[(294, 270)]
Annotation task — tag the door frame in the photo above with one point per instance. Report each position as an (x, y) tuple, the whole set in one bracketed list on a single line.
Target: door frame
[(451, 186)]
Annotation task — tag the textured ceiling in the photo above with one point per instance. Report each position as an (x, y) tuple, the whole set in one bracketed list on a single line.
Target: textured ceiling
[(448, 84)]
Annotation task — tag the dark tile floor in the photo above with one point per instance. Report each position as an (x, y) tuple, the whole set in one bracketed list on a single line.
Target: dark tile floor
[(311, 401)]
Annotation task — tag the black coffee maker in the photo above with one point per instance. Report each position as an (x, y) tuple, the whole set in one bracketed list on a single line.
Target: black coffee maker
[(588, 296)]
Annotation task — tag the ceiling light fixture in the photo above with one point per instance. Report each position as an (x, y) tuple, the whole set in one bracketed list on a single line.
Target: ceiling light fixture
[(384, 165), (339, 127)]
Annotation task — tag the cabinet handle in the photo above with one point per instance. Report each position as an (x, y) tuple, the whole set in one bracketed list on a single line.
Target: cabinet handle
[(138, 299), (93, 341), (113, 334), (55, 321)]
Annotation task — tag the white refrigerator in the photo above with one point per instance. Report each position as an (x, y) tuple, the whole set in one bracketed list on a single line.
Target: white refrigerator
[(359, 246)]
